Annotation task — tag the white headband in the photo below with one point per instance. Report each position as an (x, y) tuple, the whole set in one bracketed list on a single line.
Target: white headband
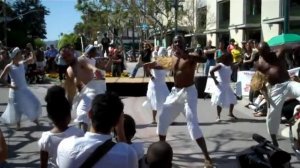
[(88, 48), (14, 53)]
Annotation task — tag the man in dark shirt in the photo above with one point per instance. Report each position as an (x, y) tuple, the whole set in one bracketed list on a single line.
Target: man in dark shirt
[(209, 52), (105, 43), (144, 58)]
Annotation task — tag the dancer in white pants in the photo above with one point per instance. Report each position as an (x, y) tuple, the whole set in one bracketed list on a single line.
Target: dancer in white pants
[(272, 65), (183, 97), (89, 81)]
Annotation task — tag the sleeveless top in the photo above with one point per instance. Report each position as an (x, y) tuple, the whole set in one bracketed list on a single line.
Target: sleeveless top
[(225, 73), (17, 75), (159, 75)]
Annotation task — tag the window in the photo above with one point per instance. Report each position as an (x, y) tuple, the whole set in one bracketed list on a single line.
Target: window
[(253, 11), (294, 8), (253, 7), (201, 18), (224, 14)]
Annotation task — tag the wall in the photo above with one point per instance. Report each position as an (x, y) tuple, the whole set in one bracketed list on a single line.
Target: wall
[(237, 17), (270, 9)]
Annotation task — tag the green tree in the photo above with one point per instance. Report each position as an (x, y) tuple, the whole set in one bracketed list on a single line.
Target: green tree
[(38, 43), (69, 39), (28, 22)]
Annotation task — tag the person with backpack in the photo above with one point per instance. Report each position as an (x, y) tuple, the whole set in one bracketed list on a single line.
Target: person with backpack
[(95, 148)]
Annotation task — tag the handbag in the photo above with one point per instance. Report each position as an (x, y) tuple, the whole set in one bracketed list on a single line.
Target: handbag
[(98, 154)]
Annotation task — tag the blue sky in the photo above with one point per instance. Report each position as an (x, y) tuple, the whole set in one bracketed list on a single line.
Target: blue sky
[(62, 18)]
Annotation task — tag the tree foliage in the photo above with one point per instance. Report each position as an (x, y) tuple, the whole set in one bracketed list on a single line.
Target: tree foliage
[(38, 43), (69, 39), (27, 22), (116, 15)]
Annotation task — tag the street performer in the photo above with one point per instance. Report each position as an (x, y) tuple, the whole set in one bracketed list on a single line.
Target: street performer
[(272, 65), (89, 82), (183, 96)]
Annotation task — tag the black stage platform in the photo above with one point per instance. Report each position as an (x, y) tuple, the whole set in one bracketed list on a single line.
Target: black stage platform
[(138, 86)]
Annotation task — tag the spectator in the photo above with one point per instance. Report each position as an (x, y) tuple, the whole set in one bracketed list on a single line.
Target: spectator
[(220, 51), (59, 111), (231, 45), (50, 56), (236, 53), (159, 155), (209, 51), (62, 67), (155, 52), (4, 60), (106, 114), (105, 43), (117, 62), (244, 50), (129, 128), (198, 50), (144, 58), (40, 59), (250, 56)]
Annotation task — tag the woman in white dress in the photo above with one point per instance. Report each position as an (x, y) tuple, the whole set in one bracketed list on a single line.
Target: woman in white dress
[(157, 88), (21, 100), (223, 96)]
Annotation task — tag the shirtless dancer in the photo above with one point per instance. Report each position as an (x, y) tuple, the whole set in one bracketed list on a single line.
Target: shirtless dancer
[(183, 96), (272, 65)]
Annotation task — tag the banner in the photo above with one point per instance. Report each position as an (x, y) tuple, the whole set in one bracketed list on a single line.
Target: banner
[(244, 79), (210, 84)]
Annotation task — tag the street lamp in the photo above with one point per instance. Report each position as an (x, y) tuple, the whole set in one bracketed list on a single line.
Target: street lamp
[(133, 50), (176, 6)]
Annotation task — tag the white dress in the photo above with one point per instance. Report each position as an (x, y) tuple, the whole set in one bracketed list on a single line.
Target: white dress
[(223, 95), (49, 142), (20, 101), (157, 90)]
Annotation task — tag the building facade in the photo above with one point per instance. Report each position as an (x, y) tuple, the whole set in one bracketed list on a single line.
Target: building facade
[(247, 19)]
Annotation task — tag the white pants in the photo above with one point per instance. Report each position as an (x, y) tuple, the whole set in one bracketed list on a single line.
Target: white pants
[(180, 100), (83, 101), (277, 95)]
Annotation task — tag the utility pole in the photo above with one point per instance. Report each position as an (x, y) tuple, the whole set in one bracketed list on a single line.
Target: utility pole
[(133, 47), (176, 16), (5, 23), (176, 6), (286, 24)]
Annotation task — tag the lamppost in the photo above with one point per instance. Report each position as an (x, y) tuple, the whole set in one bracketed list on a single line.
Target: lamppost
[(286, 16), (176, 6), (133, 47)]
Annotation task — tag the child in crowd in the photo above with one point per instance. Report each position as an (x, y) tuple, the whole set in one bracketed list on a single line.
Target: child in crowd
[(129, 129), (21, 101), (59, 111), (159, 155), (223, 95)]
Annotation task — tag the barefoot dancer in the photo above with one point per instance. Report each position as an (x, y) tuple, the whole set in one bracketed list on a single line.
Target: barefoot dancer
[(183, 96), (223, 95)]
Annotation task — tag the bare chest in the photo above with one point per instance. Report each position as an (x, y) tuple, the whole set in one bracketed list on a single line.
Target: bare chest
[(82, 74), (180, 64)]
